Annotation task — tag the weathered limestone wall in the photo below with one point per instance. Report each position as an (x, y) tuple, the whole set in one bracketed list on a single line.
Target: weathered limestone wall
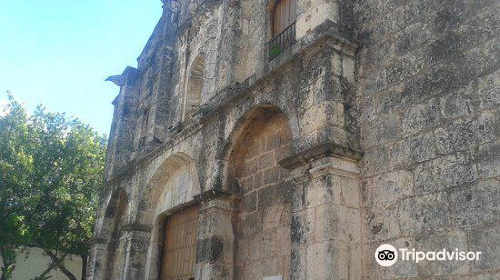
[(386, 115), (263, 226), (208, 143), (428, 93)]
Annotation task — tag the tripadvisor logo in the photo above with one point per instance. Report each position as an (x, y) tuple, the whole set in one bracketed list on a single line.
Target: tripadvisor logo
[(387, 255)]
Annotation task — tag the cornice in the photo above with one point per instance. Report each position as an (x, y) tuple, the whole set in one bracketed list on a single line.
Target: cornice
[(320, 151)]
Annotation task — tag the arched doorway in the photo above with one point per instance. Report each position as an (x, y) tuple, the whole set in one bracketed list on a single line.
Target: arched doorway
[(173, 214)]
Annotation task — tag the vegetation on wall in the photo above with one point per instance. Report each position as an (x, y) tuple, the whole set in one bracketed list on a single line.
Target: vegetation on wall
[(51, 175)]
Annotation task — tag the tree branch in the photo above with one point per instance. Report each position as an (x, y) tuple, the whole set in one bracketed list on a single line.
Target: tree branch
[(7, 266), (60, 265), (50, 268), (84, 266)]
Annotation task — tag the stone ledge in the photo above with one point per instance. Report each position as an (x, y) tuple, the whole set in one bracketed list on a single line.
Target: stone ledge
[(214, 194), (136, 227), (336, 166), (324, 35), (318, 152)]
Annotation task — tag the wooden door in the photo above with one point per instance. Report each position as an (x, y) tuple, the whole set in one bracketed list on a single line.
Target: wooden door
[(284, 15), (179, 245)]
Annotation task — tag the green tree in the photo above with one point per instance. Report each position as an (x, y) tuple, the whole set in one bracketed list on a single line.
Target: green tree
[(51, 173)]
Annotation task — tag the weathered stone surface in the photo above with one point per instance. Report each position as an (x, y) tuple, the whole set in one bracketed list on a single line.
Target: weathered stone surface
[(476, 205), (390, 187), (424, 214), (459, 136), (448, 136), (489, 160), (421, 117), (444, 173), (209, 250), (413, 150), (385, 130), (486, 241), (489, 90), (449, 241), (458, 103), (379, 124)]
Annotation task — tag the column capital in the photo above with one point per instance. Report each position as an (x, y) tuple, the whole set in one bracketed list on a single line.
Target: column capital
[(136, 228), (335, 165), (325, 150), (329, 158), (213, 194)]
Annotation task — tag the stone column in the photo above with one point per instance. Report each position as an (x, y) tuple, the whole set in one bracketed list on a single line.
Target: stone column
[(132, 266), (216, 241), (326, 218), (97, 254)]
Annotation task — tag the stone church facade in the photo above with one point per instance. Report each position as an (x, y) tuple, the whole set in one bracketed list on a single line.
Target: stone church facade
[(288, 139)]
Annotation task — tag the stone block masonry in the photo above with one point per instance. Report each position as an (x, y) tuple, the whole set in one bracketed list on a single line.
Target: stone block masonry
[(380, 124)]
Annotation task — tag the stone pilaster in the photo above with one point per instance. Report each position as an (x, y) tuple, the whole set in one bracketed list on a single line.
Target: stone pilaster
[(136, 246), (326, 218), (216, 241), (96, 260)]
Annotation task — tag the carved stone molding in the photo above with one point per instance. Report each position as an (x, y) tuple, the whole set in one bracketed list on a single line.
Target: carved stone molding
[(331, 150)]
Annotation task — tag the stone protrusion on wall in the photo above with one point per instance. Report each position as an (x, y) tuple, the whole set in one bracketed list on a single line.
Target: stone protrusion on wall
[(326, 218), (216, 237), (311, 14), (122, 132), (327, 112)]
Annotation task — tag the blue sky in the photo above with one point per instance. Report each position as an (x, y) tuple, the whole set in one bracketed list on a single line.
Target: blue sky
[(58, 52)]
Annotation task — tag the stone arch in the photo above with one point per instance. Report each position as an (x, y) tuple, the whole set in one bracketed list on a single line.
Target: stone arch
[(262, 138), (195, 84), (171, 189), (240, 126), (114, 219)]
